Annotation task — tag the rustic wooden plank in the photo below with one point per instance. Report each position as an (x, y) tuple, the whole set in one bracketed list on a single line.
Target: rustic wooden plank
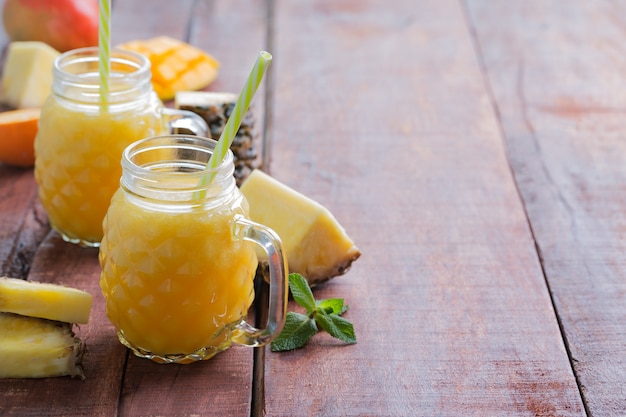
[(219, 386), (23, 223), (557, 76), (381, 114), (62, 263), (132, 20)]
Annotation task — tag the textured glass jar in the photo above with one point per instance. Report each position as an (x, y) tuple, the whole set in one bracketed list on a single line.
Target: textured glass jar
[(177, 257), (81, 136)]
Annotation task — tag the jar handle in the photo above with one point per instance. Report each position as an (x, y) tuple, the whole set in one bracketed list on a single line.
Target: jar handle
[(270, 242), (186, 120)]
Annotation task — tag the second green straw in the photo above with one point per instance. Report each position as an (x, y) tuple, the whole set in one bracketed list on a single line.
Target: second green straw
[(234, 121)]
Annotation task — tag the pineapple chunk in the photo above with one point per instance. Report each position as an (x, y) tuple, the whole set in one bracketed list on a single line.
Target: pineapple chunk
[(47, 301), (37, 348), (315, 243), (27, 74)]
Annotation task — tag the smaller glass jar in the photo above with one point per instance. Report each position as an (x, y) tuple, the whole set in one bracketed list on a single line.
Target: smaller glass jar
[(177, 257), (82, 136)]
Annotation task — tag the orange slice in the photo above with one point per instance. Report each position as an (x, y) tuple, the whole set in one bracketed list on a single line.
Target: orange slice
[(18, 129)]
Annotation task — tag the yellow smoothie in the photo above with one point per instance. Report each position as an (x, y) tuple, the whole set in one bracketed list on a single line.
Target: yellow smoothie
[(78, 154), (173, 280)]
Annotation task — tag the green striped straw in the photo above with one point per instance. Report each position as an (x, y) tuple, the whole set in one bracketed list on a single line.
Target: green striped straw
[(104, 47), (234, 121)]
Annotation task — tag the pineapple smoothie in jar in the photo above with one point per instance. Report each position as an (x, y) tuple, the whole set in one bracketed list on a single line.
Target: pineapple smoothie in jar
[(178, 259), (82, 136)]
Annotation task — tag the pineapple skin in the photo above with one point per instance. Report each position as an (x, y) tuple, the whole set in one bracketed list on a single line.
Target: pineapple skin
[(216, 108), (47, 301), (31, 347)]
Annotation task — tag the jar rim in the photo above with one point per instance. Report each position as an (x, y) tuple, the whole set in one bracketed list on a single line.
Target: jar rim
[(77, 78), (175, 163), (151, 142), (90, 54)]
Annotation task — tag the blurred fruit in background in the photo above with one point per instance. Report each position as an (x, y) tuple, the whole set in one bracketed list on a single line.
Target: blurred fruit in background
[(62, 24), (18, 129)]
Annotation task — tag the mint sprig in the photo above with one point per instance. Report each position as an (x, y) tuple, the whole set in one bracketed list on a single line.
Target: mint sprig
[(324, 314)]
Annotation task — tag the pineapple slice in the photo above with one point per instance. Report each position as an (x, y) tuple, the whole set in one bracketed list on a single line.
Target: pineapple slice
[(315, 243), (47, 301), (37, 348)]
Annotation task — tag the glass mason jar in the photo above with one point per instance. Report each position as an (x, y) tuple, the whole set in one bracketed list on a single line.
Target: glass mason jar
[(82, 136), (177, 257)]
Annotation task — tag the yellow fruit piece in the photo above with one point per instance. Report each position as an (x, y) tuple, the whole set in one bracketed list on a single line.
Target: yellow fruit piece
[(18, 129), (176, 65), (38, 348), (47, 301), (315, 243), (27, 74)]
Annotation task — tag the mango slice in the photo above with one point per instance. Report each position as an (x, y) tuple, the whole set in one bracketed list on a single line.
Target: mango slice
[(176, 65)]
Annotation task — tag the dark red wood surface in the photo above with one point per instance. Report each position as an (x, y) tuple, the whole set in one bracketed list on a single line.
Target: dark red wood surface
[(395, 132), (557, 77), (472, 149)]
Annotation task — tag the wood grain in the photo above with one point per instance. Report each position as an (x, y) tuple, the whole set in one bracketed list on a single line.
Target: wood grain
[(557, 76), (133, 20), (474, 151), (23, 223), (381, 114)]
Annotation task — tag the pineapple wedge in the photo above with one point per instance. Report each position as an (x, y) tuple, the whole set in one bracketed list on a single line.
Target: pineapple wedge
[(37, 348), (316, 245), (47, 301)]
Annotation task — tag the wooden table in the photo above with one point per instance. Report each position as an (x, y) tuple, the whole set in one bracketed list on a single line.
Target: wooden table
[(475, 150)]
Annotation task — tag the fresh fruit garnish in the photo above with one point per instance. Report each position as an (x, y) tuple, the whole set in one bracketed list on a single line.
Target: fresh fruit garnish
[(27, 74), (38, 348), (18, 129), (176, 65), (299, 328), (43, 300), (315, 243)]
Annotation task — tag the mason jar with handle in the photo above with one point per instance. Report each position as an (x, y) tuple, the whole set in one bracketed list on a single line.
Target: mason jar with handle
[(178, 255), (82, 134)]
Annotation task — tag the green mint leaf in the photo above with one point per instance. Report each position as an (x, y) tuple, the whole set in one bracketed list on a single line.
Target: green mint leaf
[(331, 305), (336, 326), (301, 292), (297, 331), (299, 328)]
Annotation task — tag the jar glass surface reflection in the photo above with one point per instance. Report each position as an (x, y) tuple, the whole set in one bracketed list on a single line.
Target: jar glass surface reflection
[(177, 256)]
